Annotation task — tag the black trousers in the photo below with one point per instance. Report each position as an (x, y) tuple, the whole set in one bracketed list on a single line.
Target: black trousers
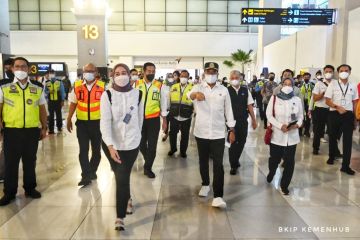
[(122, 176), (2, 159), (344, 122), (236, 149), (319, 116), (175, 127), (20, 143), (54, 107), (265, 118), (89, 132), (149, 139), (288, 155), (215, 148), (260, 105), (307, 121)]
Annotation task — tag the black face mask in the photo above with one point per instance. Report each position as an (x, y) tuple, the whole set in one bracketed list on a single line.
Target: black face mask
[(150, 77), (271, 78), (306, 80), (10, 74)]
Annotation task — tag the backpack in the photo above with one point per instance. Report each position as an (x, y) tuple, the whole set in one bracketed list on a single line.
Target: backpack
[(109, 96)]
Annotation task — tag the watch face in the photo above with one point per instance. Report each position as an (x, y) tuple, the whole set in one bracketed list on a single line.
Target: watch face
[(91, 51)]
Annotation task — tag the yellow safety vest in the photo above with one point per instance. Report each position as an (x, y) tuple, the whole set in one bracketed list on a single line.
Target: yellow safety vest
[(180, 105), (150, 97), (54, 89), (21, 106)]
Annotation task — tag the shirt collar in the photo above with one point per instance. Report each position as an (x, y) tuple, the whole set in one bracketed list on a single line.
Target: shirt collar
[(17, 80), (205, 84)]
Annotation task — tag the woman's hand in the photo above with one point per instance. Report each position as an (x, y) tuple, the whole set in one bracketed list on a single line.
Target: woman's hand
[(114, 154), (293, 127), (284, 128)]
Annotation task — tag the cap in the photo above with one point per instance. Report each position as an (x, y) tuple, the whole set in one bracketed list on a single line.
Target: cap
[(211, 65)]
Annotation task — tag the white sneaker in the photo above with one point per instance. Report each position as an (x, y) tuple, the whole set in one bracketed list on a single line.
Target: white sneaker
[(204, 191), (323, 140), (219, 203), (130, 208)]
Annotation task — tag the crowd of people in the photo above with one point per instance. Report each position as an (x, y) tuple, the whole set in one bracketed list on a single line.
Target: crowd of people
[(126, 116)]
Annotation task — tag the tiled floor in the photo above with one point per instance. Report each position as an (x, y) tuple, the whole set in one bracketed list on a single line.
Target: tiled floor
[(168, 207)]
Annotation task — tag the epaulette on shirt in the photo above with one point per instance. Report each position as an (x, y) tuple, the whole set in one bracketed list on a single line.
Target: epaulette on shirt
[(5, 81)]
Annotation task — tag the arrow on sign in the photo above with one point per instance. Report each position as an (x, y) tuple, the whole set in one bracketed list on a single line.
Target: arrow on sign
[(290, 20), (244, 20), (244, 12), (291, 12)]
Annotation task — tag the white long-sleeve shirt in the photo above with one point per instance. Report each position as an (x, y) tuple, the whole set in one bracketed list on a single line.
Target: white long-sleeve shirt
[(123, 136), (283, 111), (213, 113)]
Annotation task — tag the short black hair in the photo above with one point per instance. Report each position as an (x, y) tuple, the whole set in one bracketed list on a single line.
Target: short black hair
[(9, 61), (262, 74), (318, 72), (148, 64), (272, 73), (343, 65), (50, 71), (133, 70), (329, 66), (185, 71), (307, 74), (287, 70), (177, 72), (21, 59)]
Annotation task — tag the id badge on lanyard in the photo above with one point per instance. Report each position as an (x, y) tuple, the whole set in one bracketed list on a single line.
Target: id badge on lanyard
[(343, 99), (127, 117)]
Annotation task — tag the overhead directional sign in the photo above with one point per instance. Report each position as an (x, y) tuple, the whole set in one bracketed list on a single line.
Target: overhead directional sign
[(287, 16)]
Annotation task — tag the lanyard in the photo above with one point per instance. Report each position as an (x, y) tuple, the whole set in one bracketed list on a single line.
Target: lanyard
[(342, 91)]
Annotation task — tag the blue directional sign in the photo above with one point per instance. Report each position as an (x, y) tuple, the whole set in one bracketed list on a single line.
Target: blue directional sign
[(287, 16)]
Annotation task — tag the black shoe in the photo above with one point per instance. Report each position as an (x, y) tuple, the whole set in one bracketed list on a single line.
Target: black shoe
[(149, 174), (165, 137), (307, 135), (84, 182), (316, 152), (93, 176), (6, 199), (330, 162), (51, 132), (170, 153), (285, 191), (270, 177), (33, 194), (183, 155), (233, 171), (348, 171), (339, 155)]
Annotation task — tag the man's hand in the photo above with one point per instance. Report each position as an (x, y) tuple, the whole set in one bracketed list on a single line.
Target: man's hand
[(284, 128), (231, 137), (69, 125), (200, 96), (341, 109), (114, 154), (164, 124), (254, 124), (43, 132), (293, 127)]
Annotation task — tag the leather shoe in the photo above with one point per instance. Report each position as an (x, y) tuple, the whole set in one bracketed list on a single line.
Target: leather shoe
[(84, 182), (348, 171), (149, 174), (233, 171), (6, 199), (183, 155), (170, 153), (33, 194), (270, 177), (330, 162)]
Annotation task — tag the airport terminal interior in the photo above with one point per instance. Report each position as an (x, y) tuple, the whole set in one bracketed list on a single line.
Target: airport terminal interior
[(247, 40)]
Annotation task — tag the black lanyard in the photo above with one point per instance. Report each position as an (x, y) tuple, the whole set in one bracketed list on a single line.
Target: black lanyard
[(342, 91)]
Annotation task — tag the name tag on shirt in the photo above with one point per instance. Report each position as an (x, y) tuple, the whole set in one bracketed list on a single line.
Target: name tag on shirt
[(343, 102), (293, 117), (127, 118)]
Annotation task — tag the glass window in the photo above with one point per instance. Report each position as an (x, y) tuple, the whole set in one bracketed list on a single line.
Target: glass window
[(217, 6), (151, 28), (175, 6), (196, 6), (134, 5), (30, 27), (13, 5), (217, 19), (154, 5), (176, 28), (50, 27), (49, 5), (50, 17), (68, 18), (176, 19), (29, 18), (14, 18), (66, 5), (155, 18), (236, 6), (116, 18), (116, 5), (28, 5), (197, 19)]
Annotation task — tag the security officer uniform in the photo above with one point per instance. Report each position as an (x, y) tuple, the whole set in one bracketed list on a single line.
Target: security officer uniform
[(21, 119), (306, 91), (88, 126), (151, 97), (55, 95), (181, 109), (239, 102), (259, 98)]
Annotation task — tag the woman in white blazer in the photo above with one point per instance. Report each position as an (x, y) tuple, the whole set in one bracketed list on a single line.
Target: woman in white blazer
[(121, 122), (285, 113)]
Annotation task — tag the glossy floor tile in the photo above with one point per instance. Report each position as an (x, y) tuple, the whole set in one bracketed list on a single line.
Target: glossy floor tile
[(168, 207)]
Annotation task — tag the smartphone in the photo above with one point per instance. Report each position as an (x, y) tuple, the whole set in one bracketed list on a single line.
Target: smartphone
[(291, 124)]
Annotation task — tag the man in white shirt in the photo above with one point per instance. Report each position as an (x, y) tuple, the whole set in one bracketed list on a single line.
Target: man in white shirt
[(341, 96), (213, 109), (320, 111)]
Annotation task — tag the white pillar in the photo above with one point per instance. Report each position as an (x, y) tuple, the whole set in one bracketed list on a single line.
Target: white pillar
[(267, 33), (4, 27)]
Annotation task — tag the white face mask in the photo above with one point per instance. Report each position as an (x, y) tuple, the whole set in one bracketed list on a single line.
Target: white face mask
[(21, 75), (235, 82), (318, 77), (134, 77), (170, 80), (89, 76), (121, 80), (328, 76), (262, 78), (344, 75), (183, 80), (191, 81), (211, 79), (51, 76), (287, 89)]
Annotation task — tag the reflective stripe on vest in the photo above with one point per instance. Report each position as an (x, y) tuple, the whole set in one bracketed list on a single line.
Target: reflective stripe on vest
[(180, 105), (21, 107), (150, 97), (88, 105), (53, 89)]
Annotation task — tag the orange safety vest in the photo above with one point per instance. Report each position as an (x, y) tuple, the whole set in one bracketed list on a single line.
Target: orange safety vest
[(150, 97), (88, 106)]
